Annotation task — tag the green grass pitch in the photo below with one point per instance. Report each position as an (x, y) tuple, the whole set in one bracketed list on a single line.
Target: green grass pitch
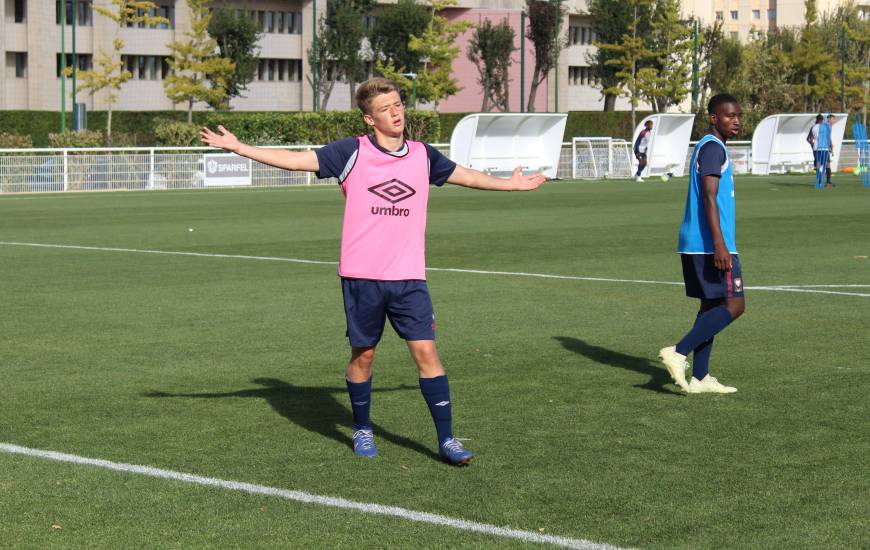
[(232, 368)]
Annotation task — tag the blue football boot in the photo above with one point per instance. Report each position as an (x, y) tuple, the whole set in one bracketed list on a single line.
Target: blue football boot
[(364, 443), (453, 452)]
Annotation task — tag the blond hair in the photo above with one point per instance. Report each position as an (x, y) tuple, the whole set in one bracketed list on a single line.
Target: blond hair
[(372, 88)]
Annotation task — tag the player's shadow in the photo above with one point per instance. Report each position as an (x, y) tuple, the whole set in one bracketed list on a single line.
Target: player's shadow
[(313, 408), (659, 377)]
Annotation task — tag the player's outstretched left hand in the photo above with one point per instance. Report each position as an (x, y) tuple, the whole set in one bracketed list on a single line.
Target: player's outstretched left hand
[(526, 183)]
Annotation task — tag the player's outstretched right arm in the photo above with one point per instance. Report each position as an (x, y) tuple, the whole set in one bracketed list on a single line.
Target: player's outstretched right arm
[(305, 161)]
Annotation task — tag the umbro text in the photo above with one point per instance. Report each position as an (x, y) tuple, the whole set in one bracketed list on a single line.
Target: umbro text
[(390, 211)]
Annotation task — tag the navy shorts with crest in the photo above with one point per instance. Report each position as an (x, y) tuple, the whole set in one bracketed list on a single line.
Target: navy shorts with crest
[(703, 280)]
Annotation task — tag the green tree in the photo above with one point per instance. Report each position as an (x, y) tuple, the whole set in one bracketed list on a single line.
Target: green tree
[(340, 45), (815, 68), (395, 25), (711, 43), (198, 74), (436, 48), (319, 61), (848, 25), (631, 59), (490, 49), (544, 17), (237, 39), (670, 39), (610, 21), (109, 73)]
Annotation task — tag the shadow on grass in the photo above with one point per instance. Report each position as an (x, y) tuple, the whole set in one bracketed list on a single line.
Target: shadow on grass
[(313, 408), (659, 377)]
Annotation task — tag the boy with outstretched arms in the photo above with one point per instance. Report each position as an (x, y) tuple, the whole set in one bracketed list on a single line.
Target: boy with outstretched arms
[(385, 179), (708, 251)]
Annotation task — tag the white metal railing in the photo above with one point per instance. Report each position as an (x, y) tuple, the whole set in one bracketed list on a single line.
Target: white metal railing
[(144, 168), (125, 168)]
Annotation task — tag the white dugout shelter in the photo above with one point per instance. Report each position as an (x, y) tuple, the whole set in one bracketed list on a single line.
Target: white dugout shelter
[(666, 153), (496, 143), (780, 143)]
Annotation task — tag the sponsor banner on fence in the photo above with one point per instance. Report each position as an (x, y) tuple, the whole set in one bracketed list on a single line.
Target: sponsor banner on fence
[(226, 169)]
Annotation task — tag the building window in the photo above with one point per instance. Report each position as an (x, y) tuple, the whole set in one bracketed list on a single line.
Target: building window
[(279, 70), (270, 21), (167, 12), (369, 22), (295, 70), (164, 10), (84, 12), (734, 15), (20, 64), (297, 22), (146, 67), (152, 67), (756, 14), (720, 16), (20, 13), (85, 62), (261, 19), (771, 14), (280, 22), (581, 76)]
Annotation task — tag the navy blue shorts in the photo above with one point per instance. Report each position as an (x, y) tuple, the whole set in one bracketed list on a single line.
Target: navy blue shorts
[(368, 304), (703, 280)]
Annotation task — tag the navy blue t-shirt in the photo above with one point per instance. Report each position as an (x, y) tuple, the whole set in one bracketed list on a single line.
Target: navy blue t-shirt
[(337, 158), (710, 160)]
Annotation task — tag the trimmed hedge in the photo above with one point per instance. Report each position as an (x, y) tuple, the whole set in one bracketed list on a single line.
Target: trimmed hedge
[(139, 127), (258, 128), (295, 128)]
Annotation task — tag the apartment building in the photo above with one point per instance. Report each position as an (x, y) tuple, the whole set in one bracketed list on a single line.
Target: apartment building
[(30, 44)]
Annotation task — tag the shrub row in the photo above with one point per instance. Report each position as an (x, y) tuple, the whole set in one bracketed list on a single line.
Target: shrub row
[(288, 128), (171, 128)]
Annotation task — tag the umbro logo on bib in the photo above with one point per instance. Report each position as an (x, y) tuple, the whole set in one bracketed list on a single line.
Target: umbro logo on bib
[(393, 191)]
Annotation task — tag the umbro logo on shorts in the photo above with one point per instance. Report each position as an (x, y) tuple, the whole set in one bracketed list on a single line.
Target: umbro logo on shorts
[(442, 403), (393, 191)]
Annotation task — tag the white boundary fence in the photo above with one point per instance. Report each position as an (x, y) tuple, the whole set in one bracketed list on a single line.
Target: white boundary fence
[(145, 168), (125, 168)]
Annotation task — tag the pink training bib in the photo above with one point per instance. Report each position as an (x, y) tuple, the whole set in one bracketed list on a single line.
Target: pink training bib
[(383, 236)]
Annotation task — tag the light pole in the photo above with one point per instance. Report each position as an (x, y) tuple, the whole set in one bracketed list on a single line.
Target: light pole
[(413, 77), (315, 68), (63, 66)]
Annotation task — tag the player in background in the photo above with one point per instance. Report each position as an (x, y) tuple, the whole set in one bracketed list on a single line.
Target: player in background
[(385, 179), (830, 124), (711, 266), (825, 148), (813, 139), (641, 145)]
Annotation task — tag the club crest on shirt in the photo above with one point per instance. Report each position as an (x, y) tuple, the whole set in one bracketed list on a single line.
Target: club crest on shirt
[(738, 284)]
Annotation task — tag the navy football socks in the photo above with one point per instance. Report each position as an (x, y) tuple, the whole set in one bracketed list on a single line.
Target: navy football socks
[(360, 403), (701, 359), (707, 325), (436, 392)]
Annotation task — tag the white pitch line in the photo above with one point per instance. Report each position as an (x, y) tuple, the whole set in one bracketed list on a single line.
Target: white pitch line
[(308, 498), (781, 288)]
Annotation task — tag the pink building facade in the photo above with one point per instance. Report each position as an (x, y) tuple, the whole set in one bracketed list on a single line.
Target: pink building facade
[(470, 98)]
